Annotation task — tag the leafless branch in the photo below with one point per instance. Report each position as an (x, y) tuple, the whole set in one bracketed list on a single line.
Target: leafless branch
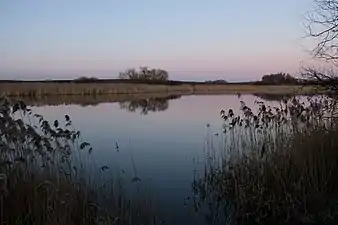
[(323, 27), (325, 79)]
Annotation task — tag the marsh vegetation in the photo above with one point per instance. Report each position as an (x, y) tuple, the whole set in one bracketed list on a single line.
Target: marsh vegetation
[(274, 163), (47, 175), (279, 166), (43, 89), (272, 166)]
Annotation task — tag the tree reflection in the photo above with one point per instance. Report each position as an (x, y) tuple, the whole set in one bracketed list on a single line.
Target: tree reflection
[(274, 97), (145, 106)]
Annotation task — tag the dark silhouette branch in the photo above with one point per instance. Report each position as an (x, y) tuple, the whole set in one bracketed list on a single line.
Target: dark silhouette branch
[(322, 27), (325, 79)]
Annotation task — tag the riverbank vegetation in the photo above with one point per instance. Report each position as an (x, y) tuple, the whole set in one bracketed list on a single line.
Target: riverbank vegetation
[(47, 176), (279, 166), (146, 81), (36, 89)]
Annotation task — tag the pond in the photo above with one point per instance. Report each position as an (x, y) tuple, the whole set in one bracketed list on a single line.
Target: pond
[(160, 144)]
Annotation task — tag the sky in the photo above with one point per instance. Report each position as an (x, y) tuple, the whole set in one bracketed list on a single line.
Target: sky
[(192, 39)]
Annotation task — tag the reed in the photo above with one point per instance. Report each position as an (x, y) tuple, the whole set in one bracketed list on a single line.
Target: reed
[(47, 176), (281, 169), (39, 89)]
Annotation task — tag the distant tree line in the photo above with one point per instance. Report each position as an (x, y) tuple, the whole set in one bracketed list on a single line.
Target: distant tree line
[(220, 81), (84, 79), (144, 74), (279, 78), (159, 76)]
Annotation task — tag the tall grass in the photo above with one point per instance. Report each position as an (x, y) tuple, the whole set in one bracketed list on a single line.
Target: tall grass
[(280, 167), (39, 89), (46, 177)]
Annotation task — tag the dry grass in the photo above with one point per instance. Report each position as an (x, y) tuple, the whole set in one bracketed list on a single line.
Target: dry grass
[(45, 89), (253, 89)]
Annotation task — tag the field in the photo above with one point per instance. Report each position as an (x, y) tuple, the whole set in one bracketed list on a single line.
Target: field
[(38, 89)]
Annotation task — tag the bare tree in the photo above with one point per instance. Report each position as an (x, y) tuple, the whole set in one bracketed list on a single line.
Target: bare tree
[(322, 27), (145, 74), (326, 79), (129, 74)]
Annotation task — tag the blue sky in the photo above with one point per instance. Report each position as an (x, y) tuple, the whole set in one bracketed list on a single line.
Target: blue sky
[(192, 39)]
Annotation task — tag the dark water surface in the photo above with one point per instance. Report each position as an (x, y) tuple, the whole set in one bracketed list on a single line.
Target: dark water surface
[(164, 142)]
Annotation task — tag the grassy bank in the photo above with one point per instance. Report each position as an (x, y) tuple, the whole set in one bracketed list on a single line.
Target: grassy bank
[(280, 167), (36, 89)]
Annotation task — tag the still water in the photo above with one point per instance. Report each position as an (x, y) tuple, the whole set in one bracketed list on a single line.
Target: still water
[(163, 142)]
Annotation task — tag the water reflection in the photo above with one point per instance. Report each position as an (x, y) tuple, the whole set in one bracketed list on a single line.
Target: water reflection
[(94, 100), (274, 97), (148, 105), (151, 102), (167, 150)]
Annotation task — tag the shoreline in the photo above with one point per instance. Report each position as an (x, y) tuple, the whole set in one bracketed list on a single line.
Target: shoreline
[(40, 89)]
